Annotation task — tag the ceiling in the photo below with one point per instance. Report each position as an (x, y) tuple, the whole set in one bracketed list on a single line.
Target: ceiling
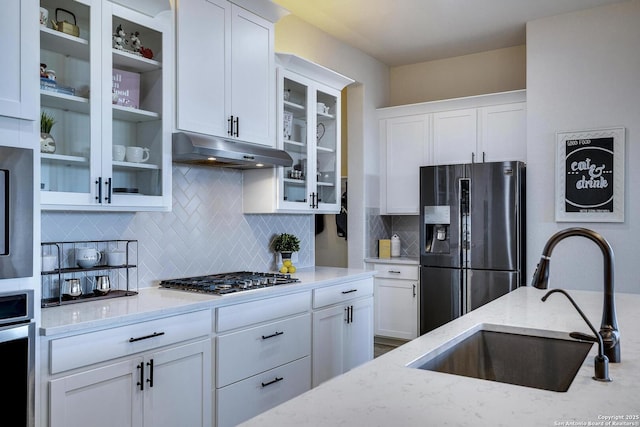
[(400, 32)]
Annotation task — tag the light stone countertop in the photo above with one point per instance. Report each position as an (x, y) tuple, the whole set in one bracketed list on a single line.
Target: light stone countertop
[(394, 260), (384, 392), (155, 302)]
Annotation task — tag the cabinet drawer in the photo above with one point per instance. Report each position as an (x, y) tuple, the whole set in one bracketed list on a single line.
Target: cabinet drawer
[(396, 271), (245, 399), (93, 347), (338, 293), (264, 310), (245, 353)]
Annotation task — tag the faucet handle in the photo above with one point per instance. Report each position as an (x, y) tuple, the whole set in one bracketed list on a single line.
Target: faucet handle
[(582, 336)]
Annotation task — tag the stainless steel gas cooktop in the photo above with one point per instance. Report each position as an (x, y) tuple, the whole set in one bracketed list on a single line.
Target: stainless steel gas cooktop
[(226, 283)]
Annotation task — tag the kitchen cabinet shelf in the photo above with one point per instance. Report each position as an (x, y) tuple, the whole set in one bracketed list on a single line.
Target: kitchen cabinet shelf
[(134, 115), (62, 43), (293, 105), (131, 165), (64, 102), (62, 158), (122, 278), (132, 62)]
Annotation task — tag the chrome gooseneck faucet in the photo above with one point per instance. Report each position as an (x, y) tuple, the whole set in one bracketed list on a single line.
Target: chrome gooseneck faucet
[(609, 326)]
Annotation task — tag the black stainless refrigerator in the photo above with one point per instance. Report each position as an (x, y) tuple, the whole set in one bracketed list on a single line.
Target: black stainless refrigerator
[(472, 246)]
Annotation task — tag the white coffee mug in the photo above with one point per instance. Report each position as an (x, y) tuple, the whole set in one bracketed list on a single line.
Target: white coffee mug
[(320, 107), (87, 257), (137, 154), (49, 262), (119, 152), (44, 16), (116, 258)]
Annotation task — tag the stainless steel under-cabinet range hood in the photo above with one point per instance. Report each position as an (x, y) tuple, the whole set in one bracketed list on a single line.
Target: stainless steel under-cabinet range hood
[(208, 150)]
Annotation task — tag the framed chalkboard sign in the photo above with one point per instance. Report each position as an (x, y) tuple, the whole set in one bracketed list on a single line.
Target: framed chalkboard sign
[(590, 175)]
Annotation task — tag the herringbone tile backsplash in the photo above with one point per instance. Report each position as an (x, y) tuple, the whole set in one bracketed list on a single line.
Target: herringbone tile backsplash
[(206, 232)]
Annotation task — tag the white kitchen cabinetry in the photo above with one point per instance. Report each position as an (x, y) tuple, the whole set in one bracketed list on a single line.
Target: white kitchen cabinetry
[(91, 119), (18, 74), (484, 128), (162, 378), (503, 132), (342, 328), (263, 355), (226, 71), (309, 111), (455, 136), (407, 148), (485, 134), (396, 301)]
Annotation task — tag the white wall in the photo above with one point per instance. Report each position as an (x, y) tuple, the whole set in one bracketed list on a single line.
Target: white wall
[(583, 72), (499, 70), (368, 93)]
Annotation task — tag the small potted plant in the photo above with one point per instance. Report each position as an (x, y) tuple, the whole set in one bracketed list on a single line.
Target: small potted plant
[(286, 244), (47, 143)]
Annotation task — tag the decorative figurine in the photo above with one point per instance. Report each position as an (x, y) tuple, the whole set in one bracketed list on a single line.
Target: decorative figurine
[(119, 39), (136, 45)]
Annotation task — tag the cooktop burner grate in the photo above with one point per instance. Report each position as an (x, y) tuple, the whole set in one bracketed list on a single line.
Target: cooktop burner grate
[(226, 283)]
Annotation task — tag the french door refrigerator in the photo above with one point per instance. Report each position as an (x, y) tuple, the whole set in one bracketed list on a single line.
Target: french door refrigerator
[(472, 247)]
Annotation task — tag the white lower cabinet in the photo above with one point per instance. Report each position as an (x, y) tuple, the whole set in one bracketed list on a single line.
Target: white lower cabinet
[(160, 389), (342, 328), (167, 385), (263, 356), (396, 301), (244, 399)]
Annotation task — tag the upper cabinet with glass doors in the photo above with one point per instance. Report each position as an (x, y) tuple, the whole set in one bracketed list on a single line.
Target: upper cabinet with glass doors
[(309, 111), (105, 73)]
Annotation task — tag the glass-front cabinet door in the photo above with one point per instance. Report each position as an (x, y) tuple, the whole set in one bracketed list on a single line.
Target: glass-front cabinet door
[(310, 117), (327, 149), (69, 100), (104, 86), (136, 113), (295, 138)]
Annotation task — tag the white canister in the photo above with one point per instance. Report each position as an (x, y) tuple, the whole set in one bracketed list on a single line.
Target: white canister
[(395, 245)]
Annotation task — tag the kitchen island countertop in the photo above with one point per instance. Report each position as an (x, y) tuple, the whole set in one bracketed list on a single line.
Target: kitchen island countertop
[(384, 392), (154, 302)]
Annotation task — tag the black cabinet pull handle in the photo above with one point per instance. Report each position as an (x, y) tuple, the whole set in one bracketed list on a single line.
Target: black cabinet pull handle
[(394, 271), (414, 291), (141, 382), (349, 291), (266, 337), (146, 337), (276, 380), (99, 184), (150, 379), (108, 184), (350, 314), (346, 314), (237, 132), (230, 126)]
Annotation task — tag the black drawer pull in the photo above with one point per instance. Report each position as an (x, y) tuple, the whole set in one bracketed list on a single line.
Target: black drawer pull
[(266, 337), (394, 271), (146, 337), (276, 380), (350, 291)]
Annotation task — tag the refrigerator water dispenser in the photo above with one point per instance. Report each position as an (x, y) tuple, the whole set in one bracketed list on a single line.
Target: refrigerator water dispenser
[(436, 228)]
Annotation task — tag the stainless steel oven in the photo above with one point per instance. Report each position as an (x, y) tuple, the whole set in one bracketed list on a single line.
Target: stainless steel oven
[(16, 212), (17, 358)]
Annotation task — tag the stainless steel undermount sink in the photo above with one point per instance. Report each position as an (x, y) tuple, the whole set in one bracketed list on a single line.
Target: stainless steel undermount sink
[(539, 359)]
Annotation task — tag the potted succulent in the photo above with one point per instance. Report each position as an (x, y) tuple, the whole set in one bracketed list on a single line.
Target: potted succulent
[(47, 143)]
